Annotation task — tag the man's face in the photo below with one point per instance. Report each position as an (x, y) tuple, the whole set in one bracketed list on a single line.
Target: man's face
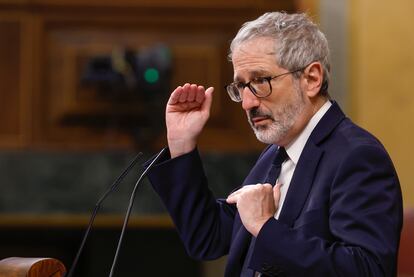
[(274, 117)]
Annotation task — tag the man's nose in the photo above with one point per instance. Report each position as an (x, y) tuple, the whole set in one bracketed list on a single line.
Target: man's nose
[(249, 100)]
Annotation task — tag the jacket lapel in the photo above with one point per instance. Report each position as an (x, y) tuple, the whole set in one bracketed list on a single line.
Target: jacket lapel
[(300, 184), (306, 168), (261, 168)]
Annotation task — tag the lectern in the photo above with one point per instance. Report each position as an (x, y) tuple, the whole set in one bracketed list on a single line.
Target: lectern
[(31, 267)]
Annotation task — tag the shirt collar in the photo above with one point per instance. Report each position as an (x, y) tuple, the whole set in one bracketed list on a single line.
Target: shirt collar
[(294, 149)]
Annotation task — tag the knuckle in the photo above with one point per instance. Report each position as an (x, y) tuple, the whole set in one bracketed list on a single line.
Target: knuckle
[(267, 187)]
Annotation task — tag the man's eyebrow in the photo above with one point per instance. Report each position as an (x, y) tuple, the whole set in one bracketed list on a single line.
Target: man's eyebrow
[(253, 74)]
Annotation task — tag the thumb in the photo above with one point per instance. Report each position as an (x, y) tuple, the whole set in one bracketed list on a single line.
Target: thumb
[(276, 194), (208, 100)]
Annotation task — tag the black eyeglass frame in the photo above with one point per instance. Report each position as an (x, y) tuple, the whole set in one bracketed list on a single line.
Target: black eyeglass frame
[(248, 84)]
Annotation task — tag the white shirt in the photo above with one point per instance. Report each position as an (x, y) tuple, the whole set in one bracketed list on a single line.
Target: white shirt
[(294, 150)]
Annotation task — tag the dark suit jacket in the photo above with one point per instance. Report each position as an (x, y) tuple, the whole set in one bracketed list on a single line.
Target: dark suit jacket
[(342, 215)]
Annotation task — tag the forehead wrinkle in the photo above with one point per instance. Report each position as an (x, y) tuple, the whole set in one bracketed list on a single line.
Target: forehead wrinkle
[(254, 58)]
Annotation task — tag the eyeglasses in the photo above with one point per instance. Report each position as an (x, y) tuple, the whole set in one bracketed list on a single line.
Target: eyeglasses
[(260, 86)]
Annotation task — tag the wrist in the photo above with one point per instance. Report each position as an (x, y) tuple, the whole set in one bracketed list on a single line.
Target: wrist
[(259, 225), (180, 147)]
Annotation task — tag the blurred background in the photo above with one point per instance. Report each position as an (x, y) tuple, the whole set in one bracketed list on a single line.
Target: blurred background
[(83, 85)]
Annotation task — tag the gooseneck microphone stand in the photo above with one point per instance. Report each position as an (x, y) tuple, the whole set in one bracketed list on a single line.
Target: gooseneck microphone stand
[(128, 212), (97, 207)]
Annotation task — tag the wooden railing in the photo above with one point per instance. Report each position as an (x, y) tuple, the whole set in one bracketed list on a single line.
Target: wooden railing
[(31, 267)]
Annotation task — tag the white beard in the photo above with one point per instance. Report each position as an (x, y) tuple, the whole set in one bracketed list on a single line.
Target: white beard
[(282, 121)]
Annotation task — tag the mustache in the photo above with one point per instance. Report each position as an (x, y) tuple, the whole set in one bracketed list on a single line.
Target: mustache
[(256, 112)]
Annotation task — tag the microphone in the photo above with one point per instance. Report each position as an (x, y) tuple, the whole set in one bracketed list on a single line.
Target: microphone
[(128, 213), (98, 206)]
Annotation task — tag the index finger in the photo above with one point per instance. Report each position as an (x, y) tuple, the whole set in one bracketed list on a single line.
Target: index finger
[(235, 194), (175, 95)]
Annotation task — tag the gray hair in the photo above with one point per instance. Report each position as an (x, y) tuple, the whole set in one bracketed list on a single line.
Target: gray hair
[(299, 41)]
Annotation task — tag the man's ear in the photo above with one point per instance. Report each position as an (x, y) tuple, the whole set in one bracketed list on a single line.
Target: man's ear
[(313, 77)]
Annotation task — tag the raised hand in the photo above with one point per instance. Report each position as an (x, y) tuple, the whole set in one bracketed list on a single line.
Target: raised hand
[(188, 110)]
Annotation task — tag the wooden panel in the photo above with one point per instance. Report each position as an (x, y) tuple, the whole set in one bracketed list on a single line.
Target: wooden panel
[(13, 2), (65, 35), (9, 77), (14, 68), (198, 46), (196, 58), (263, 4), (70, 51)]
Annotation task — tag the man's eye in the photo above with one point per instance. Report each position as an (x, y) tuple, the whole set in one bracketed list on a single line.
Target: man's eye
[(259, 81), (240, 86)]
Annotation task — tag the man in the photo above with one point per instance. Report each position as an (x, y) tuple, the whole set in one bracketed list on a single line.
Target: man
[(323, 198)]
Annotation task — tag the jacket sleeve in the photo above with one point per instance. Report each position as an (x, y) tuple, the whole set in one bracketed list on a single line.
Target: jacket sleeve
[(364, 218), (203, 223)]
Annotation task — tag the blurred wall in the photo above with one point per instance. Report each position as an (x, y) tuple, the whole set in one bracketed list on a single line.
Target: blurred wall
[(381, 76)]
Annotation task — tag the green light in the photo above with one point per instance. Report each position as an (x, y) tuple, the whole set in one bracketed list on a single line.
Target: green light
[(151, 75)]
